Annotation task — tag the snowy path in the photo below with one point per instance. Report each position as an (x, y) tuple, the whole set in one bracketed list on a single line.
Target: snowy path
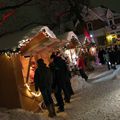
[(97, 100)]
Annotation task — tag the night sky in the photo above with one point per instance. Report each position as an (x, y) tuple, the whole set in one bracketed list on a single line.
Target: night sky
[(112, 4)]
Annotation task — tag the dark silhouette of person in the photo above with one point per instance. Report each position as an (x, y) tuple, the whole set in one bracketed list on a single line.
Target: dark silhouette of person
[(43, 82), (81, 66), (100, 56), (60, 81), (112, 57)]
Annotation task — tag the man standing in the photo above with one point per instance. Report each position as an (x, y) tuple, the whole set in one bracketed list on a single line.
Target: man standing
[(43, 82)]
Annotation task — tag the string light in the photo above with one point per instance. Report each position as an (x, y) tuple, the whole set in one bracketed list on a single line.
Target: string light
[(33, 93), (9, 52), (7, 55)]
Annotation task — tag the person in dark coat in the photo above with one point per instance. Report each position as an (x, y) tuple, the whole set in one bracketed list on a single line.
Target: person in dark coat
[(56, 86), (60, 81), (117, 54), (106, 58), (68, 77), (112, 57), (43, 82), (100, 56)]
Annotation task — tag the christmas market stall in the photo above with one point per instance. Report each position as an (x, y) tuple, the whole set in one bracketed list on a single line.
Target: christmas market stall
[(18, 63), (70, 49), (71, 45)]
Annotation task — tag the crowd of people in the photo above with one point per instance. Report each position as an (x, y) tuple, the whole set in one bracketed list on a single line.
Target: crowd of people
[(110, 56), (55, 79)]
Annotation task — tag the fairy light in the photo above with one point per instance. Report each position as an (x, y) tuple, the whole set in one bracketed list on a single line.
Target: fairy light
[(7, 55), (33, 93), (93, 50), (36, 94), (28, 87)]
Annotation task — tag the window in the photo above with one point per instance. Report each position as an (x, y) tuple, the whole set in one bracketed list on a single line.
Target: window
[(110, 22), (89, 26)]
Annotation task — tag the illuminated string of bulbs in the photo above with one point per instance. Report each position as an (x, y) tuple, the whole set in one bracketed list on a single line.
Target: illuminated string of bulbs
[(33, 93), (15, 50), (21, 44)]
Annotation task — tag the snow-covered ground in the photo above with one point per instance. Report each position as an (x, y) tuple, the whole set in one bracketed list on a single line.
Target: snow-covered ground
[(97, 99)]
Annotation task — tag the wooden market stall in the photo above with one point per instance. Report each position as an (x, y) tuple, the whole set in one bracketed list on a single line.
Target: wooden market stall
[(17, 69), (71, 42)]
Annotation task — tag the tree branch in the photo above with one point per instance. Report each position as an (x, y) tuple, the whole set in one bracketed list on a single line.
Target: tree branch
[(24, 27), (15, 6)]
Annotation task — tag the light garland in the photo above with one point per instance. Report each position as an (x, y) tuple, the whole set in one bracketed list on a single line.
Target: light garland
[(33, 93), (21, 44), (7, 55), (8, 52)]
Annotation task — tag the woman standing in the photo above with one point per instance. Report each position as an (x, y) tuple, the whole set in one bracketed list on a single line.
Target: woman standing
[(81, 66)]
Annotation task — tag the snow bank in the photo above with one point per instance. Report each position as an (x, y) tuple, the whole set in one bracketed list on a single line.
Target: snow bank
[(19, 114), (78, 83), (109, 76)]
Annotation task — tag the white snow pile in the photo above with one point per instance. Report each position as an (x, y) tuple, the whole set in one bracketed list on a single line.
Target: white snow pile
[(78, 83), (118, 73), (19, 114), (108, 76)]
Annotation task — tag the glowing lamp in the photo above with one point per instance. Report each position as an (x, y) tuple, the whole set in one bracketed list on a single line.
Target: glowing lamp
[(92, 50), (110, 38), (91, 35)]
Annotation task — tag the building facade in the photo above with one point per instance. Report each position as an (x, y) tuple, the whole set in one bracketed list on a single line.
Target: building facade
[(103, 25)]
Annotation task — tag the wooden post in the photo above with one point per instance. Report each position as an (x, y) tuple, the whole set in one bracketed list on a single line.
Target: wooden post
[(28, 71)]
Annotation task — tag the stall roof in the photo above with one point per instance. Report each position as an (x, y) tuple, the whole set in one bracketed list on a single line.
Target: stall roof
[(12, 40), (67, 36), (39, 43)]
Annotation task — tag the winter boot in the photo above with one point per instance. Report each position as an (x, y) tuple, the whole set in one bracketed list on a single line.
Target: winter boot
[(60, 109), (51, 111)]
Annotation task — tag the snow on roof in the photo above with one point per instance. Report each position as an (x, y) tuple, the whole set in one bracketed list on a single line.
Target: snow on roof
[(95, 13), (12, 40), (109, 14), (49, 32), (98, 13), (68, 36)]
